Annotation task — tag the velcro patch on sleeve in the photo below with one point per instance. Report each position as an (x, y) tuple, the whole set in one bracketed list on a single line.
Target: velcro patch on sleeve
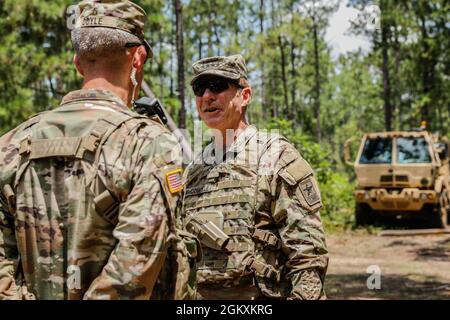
[(309, 191), (174, 180), (296, 171)]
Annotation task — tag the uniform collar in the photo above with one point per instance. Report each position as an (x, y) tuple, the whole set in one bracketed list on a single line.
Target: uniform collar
[(93, 94), (236, 147), (241, 141)]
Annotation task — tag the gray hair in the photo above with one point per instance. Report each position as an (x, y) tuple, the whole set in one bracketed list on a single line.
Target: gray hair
[(91, 43)]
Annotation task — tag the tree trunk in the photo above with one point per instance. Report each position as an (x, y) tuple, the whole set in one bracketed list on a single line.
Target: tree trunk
[(283, 75), (180, 56), (317, 78), (386, 78), (274, 110), (160, 66), (293, 109), (172, 45), (272, 12), (210, 31), (397, 85), (217, 37), (200, 47), (427, 65), (263, 67)]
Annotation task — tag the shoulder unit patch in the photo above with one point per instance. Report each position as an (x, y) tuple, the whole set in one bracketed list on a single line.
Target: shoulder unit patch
[(309, 191)]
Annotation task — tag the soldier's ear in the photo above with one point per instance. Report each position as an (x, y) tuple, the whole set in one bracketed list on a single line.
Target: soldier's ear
[(139, 57), (76, 62), (246, 96)]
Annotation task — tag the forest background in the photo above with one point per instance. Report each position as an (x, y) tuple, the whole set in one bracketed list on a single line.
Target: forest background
[(317, 98)]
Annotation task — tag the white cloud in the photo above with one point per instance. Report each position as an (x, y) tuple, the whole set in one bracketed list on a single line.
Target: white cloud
[(337, 35)]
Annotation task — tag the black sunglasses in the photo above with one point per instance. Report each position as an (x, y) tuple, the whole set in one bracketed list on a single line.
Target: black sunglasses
[(135, 44), (215, 85)]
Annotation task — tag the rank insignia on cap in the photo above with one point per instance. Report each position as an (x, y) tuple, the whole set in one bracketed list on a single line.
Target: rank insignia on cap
[(174, 181), (309, 191)]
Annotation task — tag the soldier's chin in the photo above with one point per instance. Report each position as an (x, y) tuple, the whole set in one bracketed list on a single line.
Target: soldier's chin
[(213, 122)]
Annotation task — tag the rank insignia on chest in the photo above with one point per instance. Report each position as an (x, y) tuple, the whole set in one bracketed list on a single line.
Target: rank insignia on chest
[(309, 191), (174, 181)]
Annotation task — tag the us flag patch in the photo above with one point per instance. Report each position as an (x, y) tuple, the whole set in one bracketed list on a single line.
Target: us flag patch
[(174, 181)]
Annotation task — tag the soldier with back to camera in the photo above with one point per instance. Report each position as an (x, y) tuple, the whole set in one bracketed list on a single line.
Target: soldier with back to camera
[(87, 190)]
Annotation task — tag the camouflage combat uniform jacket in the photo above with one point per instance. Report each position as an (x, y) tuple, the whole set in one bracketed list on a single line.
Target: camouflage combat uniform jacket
[(55, 228), (265, 197)]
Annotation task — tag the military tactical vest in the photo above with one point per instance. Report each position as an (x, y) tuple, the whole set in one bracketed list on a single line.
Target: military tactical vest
[(82, 155), (227, 194)]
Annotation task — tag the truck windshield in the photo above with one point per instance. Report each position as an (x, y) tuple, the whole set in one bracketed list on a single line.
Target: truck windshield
[(378, 150), (412, 150)]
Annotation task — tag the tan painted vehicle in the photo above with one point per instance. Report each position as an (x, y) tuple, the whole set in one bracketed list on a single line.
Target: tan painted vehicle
[(402, 173)]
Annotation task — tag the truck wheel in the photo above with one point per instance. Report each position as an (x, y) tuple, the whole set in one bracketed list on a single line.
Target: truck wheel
[(446, 209), (363, 214), (439, 216)]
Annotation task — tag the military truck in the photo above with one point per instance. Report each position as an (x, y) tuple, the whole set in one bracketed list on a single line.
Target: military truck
[(402, 173)]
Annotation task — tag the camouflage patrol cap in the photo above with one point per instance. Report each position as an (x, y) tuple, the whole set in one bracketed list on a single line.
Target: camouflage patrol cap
[(117, 14), (230, 67)]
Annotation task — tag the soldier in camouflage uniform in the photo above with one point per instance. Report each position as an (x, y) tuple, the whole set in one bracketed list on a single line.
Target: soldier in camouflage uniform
[(87, 190), (258, 191)]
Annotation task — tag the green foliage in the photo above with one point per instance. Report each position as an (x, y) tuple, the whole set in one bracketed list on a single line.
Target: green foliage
[(337, 191), (417, 47), (338, 200), (35, 58)]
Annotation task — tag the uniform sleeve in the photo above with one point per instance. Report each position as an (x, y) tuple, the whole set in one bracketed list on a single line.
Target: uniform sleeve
[(143, 224), (9, 256), (296, 209)]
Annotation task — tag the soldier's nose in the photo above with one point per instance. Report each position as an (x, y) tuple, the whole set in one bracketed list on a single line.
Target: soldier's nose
[(208, 95)]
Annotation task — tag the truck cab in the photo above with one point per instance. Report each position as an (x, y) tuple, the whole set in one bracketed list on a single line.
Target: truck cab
[(402, 173)]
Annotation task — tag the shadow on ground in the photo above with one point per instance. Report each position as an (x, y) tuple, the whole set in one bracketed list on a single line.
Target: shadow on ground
[(436, 251), (403, 223), (393, 287), (440, 251)]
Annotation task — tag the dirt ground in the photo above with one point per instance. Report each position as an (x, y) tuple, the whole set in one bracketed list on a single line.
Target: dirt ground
[(412, 267)]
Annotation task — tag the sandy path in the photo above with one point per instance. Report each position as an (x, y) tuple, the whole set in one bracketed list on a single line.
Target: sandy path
[(412, 267)]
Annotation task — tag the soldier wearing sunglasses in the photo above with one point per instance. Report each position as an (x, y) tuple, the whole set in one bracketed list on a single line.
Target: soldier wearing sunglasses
[(251, 198)]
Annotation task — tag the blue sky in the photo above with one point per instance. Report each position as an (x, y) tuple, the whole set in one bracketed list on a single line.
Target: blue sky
[(336, 35)]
